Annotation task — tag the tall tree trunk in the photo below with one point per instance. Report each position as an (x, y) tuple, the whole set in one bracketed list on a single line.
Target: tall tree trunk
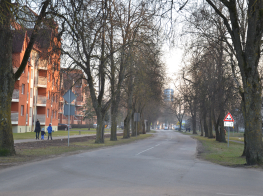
[(126, 131), (194, 117), (201, 128), (100, 129), (133, 125), (113, 136), (7, 81), (252, 117), (210, 124)]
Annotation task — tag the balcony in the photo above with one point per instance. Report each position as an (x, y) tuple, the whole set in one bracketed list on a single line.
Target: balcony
[(78, 103), (42, 82), (41, 118), (15, 95), (41, 100), (14, 118), (42, 64), (77, 121), (60, 110), (78, 113)]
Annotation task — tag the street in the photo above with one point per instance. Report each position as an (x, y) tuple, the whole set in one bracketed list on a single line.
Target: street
[(165, 164)]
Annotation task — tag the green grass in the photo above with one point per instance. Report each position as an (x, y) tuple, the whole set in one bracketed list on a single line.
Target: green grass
[(32, 135), (219, 153)]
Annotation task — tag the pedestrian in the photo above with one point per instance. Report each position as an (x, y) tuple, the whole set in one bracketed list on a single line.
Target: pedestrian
[(37, 129), (42, 133), (49, 129)]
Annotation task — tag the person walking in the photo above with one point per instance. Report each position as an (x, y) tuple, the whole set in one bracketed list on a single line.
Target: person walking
[(43, 133), (37, 129), (49, 129)]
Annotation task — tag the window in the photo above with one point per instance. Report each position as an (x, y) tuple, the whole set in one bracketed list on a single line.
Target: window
[(47, 113), (48, 95), (52, 113), (31, 92), (30, 111), (23, 89), (22, 110)]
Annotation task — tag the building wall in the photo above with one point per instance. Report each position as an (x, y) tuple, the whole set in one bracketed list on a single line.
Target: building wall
[(38, 90)]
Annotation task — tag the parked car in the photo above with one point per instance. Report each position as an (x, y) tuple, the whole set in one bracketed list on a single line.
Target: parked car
[(63, 127), (94, 125), (166, 128)]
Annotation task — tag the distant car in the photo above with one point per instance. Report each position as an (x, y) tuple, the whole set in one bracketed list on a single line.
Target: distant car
[(94, 125), (166, 128)]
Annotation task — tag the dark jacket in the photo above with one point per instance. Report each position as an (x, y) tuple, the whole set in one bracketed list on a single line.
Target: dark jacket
[(37, 129)]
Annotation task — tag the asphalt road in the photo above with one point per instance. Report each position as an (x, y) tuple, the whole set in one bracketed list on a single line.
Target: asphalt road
[(165, 165)]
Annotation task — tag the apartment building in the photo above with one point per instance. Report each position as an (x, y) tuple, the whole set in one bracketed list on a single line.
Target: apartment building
[(36, 93), (74, 80)]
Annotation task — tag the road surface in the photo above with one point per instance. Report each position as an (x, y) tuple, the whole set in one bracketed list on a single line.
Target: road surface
[(165, 165)]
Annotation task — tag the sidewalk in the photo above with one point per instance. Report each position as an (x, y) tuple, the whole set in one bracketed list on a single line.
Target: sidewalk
[(60, 137)]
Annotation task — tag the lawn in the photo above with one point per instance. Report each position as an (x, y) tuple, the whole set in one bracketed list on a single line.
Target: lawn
[(32, 135), (219, 153)]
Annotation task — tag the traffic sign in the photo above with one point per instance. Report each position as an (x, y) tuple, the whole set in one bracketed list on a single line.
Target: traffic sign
[(228, 118), (69, 96), (228, 124)]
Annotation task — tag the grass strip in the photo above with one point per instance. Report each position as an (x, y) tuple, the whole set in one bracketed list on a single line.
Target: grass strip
[(219, 153), (32, 135)]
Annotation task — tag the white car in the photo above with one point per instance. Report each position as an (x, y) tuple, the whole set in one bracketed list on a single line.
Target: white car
[(165, 128)]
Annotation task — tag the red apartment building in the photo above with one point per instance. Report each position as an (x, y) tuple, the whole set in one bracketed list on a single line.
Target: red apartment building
[(36, 94), (74, 79)]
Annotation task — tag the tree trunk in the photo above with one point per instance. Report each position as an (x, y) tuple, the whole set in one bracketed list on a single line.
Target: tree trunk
[(126, 131), (133, 124), (201, 128), (113, 136), (194, 118), (7, 82), (253, 124), (100, 129), (205, 125), (210, 124)]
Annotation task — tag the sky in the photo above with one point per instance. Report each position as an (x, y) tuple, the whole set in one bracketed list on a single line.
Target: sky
[(172, 58)]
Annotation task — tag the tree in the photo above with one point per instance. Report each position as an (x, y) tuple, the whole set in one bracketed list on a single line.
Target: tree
[(247, 53), (7, 10)]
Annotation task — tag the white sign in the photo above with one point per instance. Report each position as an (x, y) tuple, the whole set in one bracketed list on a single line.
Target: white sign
[(228, 124)]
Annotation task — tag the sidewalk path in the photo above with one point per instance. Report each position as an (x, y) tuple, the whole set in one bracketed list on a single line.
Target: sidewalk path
[(60, 137)]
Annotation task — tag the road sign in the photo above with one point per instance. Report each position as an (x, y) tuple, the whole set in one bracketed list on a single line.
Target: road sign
[(68, 110), (228, 124), (228, 118), (69, 96), (136, 117)]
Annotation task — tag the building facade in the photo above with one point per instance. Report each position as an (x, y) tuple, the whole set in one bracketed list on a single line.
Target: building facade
[(36, 93)]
